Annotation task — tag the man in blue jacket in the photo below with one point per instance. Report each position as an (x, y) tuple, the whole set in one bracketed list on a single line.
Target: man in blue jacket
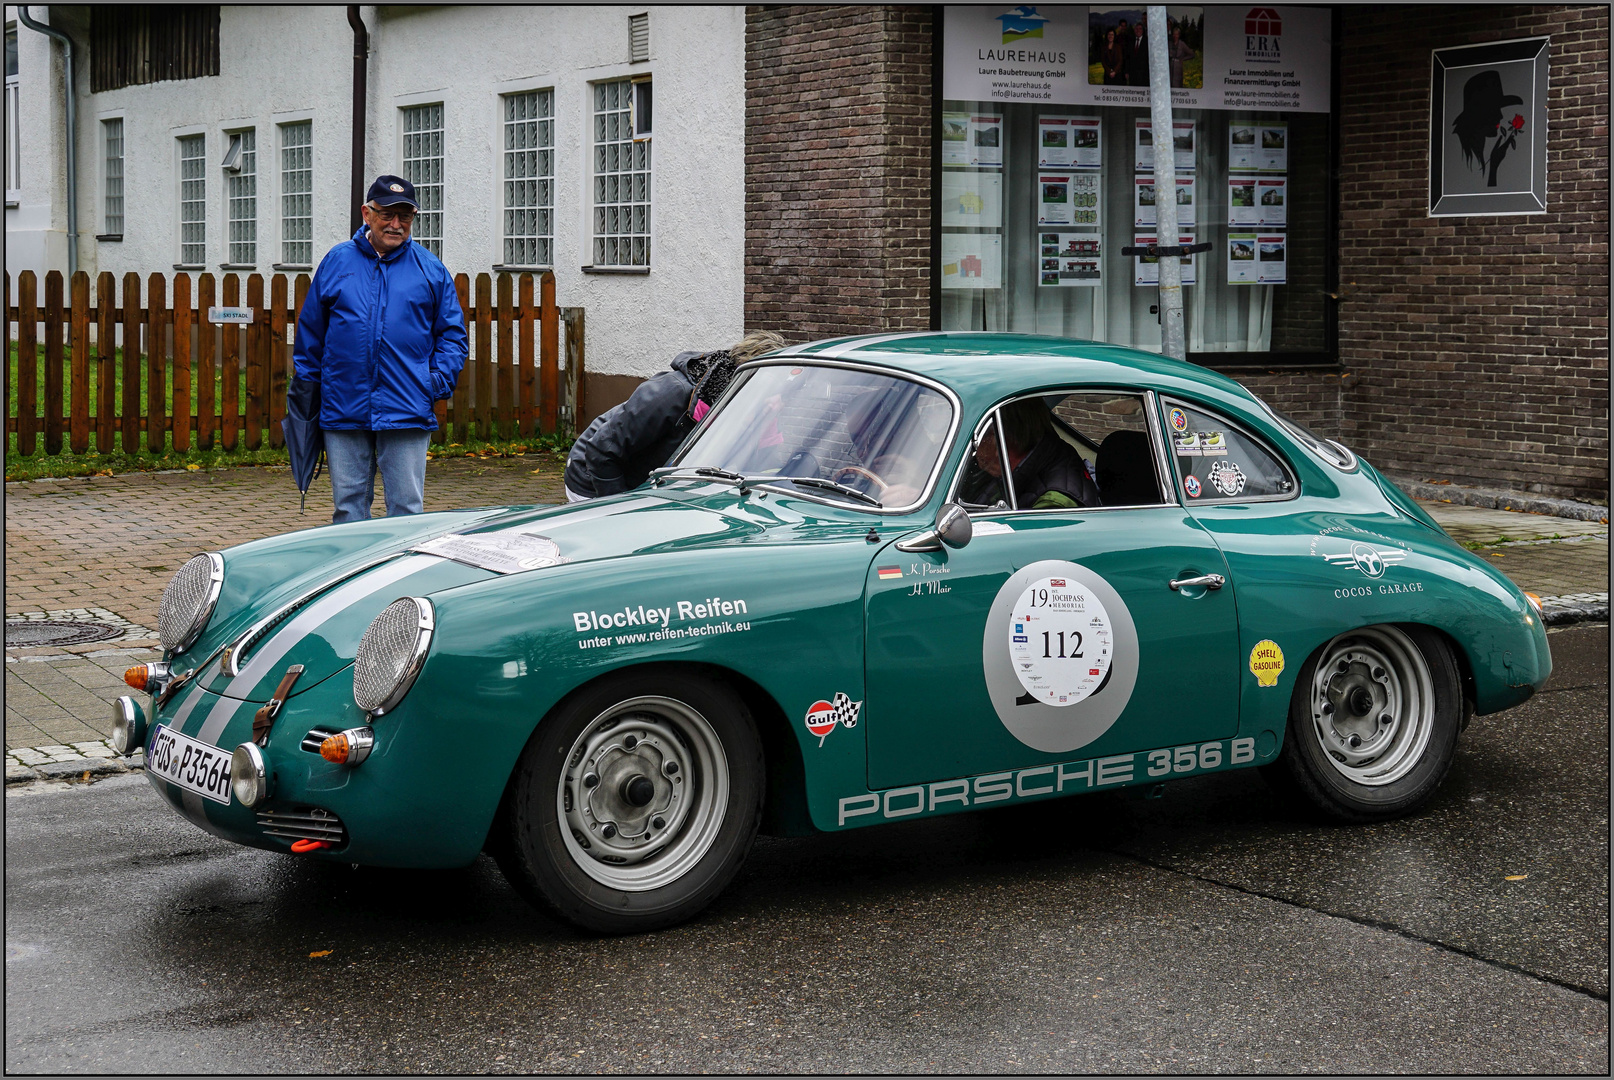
[(382, 337)]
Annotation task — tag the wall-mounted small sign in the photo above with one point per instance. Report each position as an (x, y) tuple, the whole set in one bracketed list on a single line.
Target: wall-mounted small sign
[(1488, 129), (237, 316)]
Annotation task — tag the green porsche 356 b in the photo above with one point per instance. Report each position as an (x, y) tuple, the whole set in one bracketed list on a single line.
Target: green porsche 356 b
[(887, 577)]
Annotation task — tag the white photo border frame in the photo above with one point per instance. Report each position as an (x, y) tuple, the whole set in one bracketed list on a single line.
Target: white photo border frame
[(1442, 63)]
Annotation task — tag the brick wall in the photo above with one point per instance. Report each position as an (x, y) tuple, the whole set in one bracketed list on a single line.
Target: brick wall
[(838, 131), (1477, 348)]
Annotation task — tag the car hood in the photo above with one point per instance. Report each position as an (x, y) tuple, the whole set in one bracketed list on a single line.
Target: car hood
[(319, 620)]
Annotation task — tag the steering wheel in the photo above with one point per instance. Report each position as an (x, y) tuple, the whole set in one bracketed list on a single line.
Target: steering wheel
[(858, 470)]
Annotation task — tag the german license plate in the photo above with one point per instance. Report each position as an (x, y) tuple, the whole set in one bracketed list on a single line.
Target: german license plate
[(194, 766)]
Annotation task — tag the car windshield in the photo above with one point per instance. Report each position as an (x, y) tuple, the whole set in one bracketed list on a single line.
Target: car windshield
[(851, 436)]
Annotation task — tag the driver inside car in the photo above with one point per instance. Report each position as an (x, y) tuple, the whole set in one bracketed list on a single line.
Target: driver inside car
[(1048, 472), (895, 436)]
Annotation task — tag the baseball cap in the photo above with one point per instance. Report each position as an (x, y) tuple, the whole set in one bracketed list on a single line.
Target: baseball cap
[(391, 190)]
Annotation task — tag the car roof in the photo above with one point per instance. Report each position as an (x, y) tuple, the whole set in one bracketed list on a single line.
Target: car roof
[(955, 359)]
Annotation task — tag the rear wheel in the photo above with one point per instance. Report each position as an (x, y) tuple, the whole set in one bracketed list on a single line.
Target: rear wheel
[(1373, 723), (635, 803)]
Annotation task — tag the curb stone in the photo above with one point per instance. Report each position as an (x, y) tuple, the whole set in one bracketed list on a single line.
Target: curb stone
[(1574, 608), (72, 770), (1498, 499)]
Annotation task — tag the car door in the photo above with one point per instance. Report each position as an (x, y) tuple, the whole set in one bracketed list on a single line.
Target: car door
[(1056, 633)]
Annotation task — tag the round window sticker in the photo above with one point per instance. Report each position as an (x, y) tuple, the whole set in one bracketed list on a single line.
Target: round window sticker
[(1060, 655), (1179, 420)]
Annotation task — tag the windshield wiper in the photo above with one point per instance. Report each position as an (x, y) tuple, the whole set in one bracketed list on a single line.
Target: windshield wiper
[(831, 485), (706, 472)]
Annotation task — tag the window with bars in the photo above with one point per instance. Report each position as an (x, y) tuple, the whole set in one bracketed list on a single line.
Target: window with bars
[(241, 191), (112, 183), (423, 167), (297, 193), (13, 122), (621, 180), (193, 200), (529, 178)]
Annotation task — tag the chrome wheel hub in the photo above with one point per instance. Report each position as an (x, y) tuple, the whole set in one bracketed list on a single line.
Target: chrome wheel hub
[(643, 794), (1372, 705)]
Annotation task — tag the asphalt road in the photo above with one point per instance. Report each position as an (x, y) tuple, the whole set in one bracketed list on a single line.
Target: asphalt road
[(1212, 929)]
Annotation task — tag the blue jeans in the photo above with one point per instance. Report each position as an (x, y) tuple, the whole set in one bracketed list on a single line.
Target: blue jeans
[(354, 457)]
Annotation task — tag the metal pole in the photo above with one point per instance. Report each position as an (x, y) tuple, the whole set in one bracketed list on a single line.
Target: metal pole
[(1165, 186), (361, 54), (72, 134)]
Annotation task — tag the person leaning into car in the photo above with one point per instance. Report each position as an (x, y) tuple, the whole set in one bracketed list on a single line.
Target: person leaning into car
[(383, 337), (619, 449)]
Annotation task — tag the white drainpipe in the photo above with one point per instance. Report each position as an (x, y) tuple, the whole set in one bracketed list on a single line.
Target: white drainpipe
[(72, 136)]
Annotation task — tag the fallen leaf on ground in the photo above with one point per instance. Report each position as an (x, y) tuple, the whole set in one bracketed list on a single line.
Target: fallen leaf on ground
[(322, 952), (1515, 877)]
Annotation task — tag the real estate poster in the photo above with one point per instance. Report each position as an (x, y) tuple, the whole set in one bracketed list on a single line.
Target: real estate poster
[(1144, 194), (986, 140), (1183, 136), (1271, 193), (1069, 141), (972, 199), (1146, 271), (1067, 198), (1241, 208), (1271, 259), (1241, 258), (972, 260), (1258, 148), (955, 136), (1069, 259), (1273, 148)]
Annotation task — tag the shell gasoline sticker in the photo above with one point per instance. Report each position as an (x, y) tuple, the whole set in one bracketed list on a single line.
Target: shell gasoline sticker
[(1060, 641)]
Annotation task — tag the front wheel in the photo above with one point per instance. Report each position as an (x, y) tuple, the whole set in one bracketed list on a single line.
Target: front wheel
[(1373, 723), (635, 803)]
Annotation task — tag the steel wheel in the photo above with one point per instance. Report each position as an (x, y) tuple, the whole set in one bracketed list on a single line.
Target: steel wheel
[(1373, 723), (634, 803), (644, 793), (1372, 705)]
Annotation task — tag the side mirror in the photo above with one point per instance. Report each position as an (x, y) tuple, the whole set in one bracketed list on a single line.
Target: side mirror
[(953, 525), (953, 528)]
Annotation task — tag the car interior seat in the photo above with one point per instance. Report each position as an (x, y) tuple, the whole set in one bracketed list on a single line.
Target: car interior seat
[(1125, 468)]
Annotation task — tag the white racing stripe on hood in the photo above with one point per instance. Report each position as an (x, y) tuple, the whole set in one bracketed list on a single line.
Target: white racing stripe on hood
[(271, 652)]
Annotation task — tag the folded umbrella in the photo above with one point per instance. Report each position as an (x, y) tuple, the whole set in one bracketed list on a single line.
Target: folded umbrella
[(304, 439)]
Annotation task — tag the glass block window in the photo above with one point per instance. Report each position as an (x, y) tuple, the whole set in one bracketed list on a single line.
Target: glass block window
[(13, 121), (423, 167), (193, 200), (297, 193), (621, 180), (529, 178), (112, 184), (241, 190)]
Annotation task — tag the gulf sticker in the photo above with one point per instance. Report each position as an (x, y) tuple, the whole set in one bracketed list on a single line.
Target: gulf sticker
[(822, 716), (1190, 484), (1266, 662), (1179, 420)]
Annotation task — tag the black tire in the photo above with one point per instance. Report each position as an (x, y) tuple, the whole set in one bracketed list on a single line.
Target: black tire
[(578, 780), (1405, 739)]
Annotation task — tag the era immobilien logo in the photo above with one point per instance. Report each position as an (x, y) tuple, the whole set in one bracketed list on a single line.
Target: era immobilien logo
[(1262, 26)]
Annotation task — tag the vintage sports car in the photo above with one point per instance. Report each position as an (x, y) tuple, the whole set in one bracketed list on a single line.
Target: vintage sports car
[(831, 610)]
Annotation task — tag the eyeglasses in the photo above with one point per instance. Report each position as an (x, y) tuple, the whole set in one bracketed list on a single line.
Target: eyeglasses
[(402, 217)]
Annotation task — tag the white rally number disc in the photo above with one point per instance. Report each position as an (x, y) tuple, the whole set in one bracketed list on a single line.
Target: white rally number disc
[(1060, 641)]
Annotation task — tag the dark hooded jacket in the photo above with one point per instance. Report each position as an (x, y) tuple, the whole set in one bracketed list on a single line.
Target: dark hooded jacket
[(1054, 475), (617, 451)]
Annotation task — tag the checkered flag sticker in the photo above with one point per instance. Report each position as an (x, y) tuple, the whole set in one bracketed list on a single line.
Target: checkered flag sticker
[(822, 716)]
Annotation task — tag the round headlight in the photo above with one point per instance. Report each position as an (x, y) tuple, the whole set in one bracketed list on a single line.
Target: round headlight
[(249, 775), (128, 725), (391, 653), (188, 601)]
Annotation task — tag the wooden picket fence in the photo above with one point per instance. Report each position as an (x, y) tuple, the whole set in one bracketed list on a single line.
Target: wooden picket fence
[(513, 384)]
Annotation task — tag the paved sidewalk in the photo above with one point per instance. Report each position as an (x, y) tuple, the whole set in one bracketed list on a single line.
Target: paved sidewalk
[(103, 548)]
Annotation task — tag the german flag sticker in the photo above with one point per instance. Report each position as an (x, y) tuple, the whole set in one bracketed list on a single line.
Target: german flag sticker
[(889, 573)]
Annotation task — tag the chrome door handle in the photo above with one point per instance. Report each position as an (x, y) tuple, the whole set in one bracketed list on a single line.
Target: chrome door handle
[(1210, 581)]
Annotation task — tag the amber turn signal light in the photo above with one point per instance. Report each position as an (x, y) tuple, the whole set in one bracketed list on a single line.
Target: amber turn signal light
[(1535, 601), (348, 747), (137, 676)]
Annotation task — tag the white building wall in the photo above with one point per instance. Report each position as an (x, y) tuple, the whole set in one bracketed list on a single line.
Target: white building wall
[(36, 224), (284, 63)]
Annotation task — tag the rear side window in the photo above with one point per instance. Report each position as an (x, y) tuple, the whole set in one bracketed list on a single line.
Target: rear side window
[(1218, 462)]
